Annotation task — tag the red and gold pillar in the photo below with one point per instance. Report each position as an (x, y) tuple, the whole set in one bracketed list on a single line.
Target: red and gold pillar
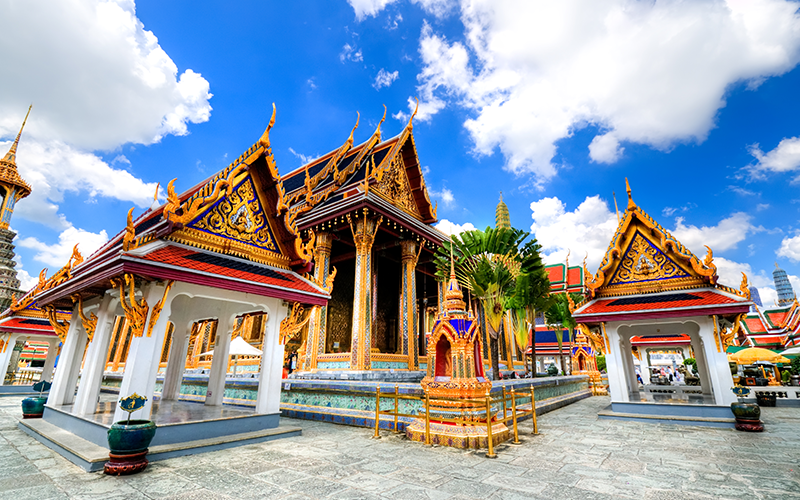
[(317, 325), (408, 303), (364, 229)]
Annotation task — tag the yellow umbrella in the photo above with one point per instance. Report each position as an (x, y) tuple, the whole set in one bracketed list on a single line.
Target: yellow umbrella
[(752, 354)]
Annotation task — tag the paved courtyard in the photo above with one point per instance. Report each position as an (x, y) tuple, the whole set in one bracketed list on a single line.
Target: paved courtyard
[(576, 456)]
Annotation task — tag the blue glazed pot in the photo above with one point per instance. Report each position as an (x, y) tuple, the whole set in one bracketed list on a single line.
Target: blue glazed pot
[(33, 407), (126, 438), (747, 411)]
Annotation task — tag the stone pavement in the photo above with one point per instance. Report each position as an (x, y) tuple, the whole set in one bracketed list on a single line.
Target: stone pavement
[(576, 456)]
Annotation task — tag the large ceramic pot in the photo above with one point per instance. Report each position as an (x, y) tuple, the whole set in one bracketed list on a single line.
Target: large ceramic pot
[(33, 407), (134, 436), (747, 411), (795, 380), (127, 442)]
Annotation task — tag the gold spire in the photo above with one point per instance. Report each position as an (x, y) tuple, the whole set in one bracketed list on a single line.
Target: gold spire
[(411, 119), (502, 219), (616, 208), (11, 156), (631, 204)]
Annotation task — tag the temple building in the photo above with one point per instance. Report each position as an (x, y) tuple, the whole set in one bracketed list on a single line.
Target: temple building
[(783, 286), (23, 326), (12, 189), (651, 291)]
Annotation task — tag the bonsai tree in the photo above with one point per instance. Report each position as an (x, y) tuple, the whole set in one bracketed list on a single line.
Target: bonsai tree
[(795, 366)]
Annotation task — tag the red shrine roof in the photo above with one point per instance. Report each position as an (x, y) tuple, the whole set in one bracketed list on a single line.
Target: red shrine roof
[(565, 279), (688, 303), (210, 264), (34, 326), (774, 328)]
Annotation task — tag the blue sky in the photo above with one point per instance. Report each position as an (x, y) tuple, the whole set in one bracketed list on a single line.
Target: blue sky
[(553, 104)]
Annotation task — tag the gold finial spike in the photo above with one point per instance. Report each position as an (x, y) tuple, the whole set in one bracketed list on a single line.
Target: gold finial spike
[(411, 119), (567, 259), (631, 204), (11, 156), (452, 266), (501, 196), (378, 129), (358, 119), (264, 140), (155, 195), (616, 208)]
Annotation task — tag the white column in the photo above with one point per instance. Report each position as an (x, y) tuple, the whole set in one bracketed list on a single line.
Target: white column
[(719, 372), (614, 366), (144, 356), (644, 365), (269, 380), (5, 357), (176, 364), (69, 364), (50, 360), (96, 356), (632, 384), (219, 362)]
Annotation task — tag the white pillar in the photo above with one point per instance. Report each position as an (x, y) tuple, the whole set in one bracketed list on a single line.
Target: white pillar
[(5, 357), (50, 360), (144, 356), (176, 364), (718, 369), (96, 357), (644, 366), (632, 384), (69, 363), (269, 380), (219, 362), (614, 366)]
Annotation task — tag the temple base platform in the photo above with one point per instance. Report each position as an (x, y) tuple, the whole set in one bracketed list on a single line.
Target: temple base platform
[(677, 412), (364, 375), (184, 428), (456, 435)]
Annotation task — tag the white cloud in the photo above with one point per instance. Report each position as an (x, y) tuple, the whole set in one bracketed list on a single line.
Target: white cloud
[(790, 248), (586, 231), (385, 79), (366, 8), (55, 168), (653, 73), (450, 228), (57, 255), (784, 158), (115, 85), (724, 236), (445, 195), (350, 53), (304, 159), (605, 149), (730, 274), (26, 281)]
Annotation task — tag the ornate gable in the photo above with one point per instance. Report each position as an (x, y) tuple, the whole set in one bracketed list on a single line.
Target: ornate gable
[(644, 257), (240, 217), (392, 182)]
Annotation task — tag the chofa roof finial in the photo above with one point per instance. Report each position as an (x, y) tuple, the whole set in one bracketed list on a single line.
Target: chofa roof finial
[(631, 204)]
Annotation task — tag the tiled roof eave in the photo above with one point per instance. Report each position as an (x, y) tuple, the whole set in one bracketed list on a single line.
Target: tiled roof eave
[(676, 312)]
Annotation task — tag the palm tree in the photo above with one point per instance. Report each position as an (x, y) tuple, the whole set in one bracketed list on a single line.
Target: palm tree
[(489, 264)]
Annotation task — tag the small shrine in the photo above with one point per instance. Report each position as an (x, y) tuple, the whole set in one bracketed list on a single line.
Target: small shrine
[(456, 371), (650, 287)]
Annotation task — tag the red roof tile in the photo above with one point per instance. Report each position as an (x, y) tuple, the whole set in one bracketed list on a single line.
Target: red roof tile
[(555, 273), (574, 276), (41, 325), (681, 300), (776, 317), (755, 325), (228, 267)]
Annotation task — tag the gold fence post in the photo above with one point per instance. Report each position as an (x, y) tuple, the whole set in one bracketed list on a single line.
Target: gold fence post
[(396, 409), (514, 416), (377, 434), (427, 419), (490, 452), (533, 412)]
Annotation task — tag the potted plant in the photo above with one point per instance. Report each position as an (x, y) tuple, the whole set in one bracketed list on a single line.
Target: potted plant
[(748, 415), (795, 369), (128, 440), (34, 407)]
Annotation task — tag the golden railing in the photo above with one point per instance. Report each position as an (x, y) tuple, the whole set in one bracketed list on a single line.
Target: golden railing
[(508, 397)]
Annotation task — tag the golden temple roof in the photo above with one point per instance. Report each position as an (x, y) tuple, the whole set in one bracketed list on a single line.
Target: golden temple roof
[(8, 166)]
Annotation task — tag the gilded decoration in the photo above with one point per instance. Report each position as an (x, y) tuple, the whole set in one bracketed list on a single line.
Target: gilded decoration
[(294, 322), (744, 288), (364, 230), (239, 216), (130, 233), (135, 312), (60, 327), (90, 323), (392, 182), (644, 270), (157, 308), (645, 262)]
